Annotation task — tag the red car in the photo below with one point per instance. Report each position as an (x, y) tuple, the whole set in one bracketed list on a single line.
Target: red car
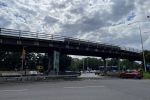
[(131, 74)]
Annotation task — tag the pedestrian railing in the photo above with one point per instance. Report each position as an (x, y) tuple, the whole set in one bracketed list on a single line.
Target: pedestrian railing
[(69, 40)]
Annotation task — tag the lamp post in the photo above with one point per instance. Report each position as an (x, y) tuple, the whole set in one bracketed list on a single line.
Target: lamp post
[(87, 63), (142, 45), (83, 65)]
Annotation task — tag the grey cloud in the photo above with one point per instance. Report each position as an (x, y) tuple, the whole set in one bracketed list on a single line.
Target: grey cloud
[(120, 9), (125, 40), (84, 25), (4, 22), (68, 16), (55, 5), (9, 2), (48, 20), (77, 10), (29, 11)]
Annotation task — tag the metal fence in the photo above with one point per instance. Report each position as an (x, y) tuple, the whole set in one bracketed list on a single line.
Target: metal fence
[(51, 37)]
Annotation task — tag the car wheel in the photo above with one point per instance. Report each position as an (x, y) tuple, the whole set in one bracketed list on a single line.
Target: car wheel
[(135, 77), (121, 76)]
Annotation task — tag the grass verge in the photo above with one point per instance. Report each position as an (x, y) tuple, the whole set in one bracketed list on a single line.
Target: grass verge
[(146, 75)]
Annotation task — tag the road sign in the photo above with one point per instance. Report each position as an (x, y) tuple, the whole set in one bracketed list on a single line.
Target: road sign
[(23, 54), (148, 65), (56, 59), (40, 67)]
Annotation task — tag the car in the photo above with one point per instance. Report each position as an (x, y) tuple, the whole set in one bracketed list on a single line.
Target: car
[(35, 73), (97, 72), (39, 74), (131, 74), (93, 71)]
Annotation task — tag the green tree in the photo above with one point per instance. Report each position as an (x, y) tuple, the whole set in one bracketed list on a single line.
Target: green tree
[(77, 65), (64, 62), (147, 57)]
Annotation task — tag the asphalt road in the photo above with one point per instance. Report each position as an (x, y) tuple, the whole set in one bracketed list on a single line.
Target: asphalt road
[(99, 88)]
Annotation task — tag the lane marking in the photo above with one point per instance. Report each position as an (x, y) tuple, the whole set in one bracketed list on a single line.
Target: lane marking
[(84, 87), (95, 86), (13, 90), (74, 87)]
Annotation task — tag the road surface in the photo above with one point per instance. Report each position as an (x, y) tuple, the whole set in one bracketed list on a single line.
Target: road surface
[(105, 88)]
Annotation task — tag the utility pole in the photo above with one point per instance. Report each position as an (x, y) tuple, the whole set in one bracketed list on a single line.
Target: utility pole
[(87, 63), (83, 65)]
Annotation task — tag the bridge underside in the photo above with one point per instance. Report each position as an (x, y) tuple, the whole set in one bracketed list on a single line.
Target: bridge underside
[(16, 45), (16, 40)]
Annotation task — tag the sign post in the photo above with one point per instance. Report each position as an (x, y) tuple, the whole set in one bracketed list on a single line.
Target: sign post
[(56, 61), (23, 57), (23, 54)]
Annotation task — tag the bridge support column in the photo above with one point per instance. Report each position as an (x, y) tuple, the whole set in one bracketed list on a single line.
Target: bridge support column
[(49, 62), (118, 61), (131, 65), (105, 70)]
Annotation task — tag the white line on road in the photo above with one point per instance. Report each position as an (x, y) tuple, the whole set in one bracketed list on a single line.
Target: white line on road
[(74, 87), (13, 90), (95, 86), (84, 87)]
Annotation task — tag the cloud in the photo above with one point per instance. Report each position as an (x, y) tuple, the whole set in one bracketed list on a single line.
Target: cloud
[(28, 11), (4, 22), (95, 20), (50, 21)]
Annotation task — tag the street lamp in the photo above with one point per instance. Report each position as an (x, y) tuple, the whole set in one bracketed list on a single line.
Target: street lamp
[(141, 44)]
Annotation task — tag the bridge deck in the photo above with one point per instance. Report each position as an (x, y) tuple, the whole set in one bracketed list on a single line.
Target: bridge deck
[(14, 40)]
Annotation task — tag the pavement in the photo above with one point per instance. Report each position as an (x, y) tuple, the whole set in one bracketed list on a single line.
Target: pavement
[(89, 75), (92, 87)]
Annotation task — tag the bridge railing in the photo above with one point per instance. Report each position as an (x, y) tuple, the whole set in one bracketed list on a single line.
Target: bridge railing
[(51, 37)]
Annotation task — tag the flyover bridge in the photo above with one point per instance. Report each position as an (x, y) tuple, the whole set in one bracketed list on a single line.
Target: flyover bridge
[(15, 40)]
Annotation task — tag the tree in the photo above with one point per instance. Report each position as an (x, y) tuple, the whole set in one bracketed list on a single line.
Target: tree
[(147, 57), (127, 63), (64, 62), (77, 65)]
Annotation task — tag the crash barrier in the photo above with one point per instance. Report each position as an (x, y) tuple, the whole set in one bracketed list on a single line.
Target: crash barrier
[(10, 74), (19, 72), (40, 77), (62, 73), (28, 73)]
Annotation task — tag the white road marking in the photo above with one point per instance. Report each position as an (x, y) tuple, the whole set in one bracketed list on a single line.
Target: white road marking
[(74, 87), (84, 87), (13, 90), (95, 86)]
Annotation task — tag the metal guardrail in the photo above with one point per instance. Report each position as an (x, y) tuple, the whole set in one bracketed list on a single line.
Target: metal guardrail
[(51, 37), (29, 77)]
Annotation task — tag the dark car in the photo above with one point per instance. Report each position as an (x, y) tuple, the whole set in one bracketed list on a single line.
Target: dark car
[(131, 74)]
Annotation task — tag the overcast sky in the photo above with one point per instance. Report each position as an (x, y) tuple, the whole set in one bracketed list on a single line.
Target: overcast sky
[(96, 20)]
